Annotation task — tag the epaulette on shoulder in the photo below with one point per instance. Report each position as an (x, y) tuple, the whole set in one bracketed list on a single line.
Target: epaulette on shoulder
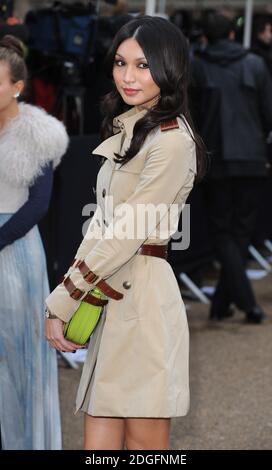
[(170, 124)]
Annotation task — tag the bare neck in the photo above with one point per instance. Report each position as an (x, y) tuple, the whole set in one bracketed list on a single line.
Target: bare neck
[(8, 113)]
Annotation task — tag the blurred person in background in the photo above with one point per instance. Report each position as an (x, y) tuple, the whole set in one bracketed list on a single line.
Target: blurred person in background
[(234, 112), (31, 146), (262, 39), (262, 46)]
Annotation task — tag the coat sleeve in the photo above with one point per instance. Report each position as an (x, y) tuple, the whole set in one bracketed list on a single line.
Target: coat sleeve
[(59, 302), (166, 169)]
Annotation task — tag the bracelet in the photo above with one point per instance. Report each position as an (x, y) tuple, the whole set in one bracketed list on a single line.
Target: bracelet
[(50, 315)]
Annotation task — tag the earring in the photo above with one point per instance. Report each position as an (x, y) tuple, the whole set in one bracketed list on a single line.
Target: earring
[(16, 95)]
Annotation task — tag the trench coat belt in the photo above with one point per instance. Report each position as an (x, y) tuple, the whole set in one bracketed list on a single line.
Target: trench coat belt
[(78, 294), (159, 251), (153, 250), (90, 277)]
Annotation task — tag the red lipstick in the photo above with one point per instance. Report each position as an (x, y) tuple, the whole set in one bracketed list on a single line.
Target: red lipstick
[(130, 91)]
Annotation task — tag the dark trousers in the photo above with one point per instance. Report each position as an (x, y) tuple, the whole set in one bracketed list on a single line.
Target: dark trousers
[(232, 206)]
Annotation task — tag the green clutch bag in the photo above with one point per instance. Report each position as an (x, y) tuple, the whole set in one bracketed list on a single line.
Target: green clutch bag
[(83, 322)]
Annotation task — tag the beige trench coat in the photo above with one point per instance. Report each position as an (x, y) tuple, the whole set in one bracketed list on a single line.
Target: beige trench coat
[(137, 362)]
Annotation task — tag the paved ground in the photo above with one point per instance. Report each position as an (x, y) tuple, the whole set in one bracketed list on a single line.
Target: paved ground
[(231, 384)]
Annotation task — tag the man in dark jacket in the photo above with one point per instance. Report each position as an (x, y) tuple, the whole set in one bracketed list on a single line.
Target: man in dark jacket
[(262, 39), (234, 116)]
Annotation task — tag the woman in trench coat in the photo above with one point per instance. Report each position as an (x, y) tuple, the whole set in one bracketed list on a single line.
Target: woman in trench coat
[(135, 377)]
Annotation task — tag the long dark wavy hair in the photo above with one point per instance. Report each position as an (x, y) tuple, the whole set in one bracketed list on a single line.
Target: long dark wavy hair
[(167, 54)]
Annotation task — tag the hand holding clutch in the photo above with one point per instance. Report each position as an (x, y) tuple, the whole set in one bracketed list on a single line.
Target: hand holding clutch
[(84, 321)]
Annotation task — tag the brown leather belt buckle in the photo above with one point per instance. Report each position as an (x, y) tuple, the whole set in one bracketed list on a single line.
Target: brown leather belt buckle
[(74, 292), (90, 277), (87, 274)]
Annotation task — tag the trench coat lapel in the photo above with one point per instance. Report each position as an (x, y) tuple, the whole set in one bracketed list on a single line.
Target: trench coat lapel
[(109, 147), (123, 126)]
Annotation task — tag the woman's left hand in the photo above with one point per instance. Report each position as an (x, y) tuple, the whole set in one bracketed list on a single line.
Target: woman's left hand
[(54, 334)]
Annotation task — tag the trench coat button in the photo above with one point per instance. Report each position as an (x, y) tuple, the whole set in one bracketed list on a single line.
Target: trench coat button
[(127, 285), (104, 193), (105, 223)]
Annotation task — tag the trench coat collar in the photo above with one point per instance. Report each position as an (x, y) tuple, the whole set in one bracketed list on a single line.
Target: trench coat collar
[(125, 123)]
